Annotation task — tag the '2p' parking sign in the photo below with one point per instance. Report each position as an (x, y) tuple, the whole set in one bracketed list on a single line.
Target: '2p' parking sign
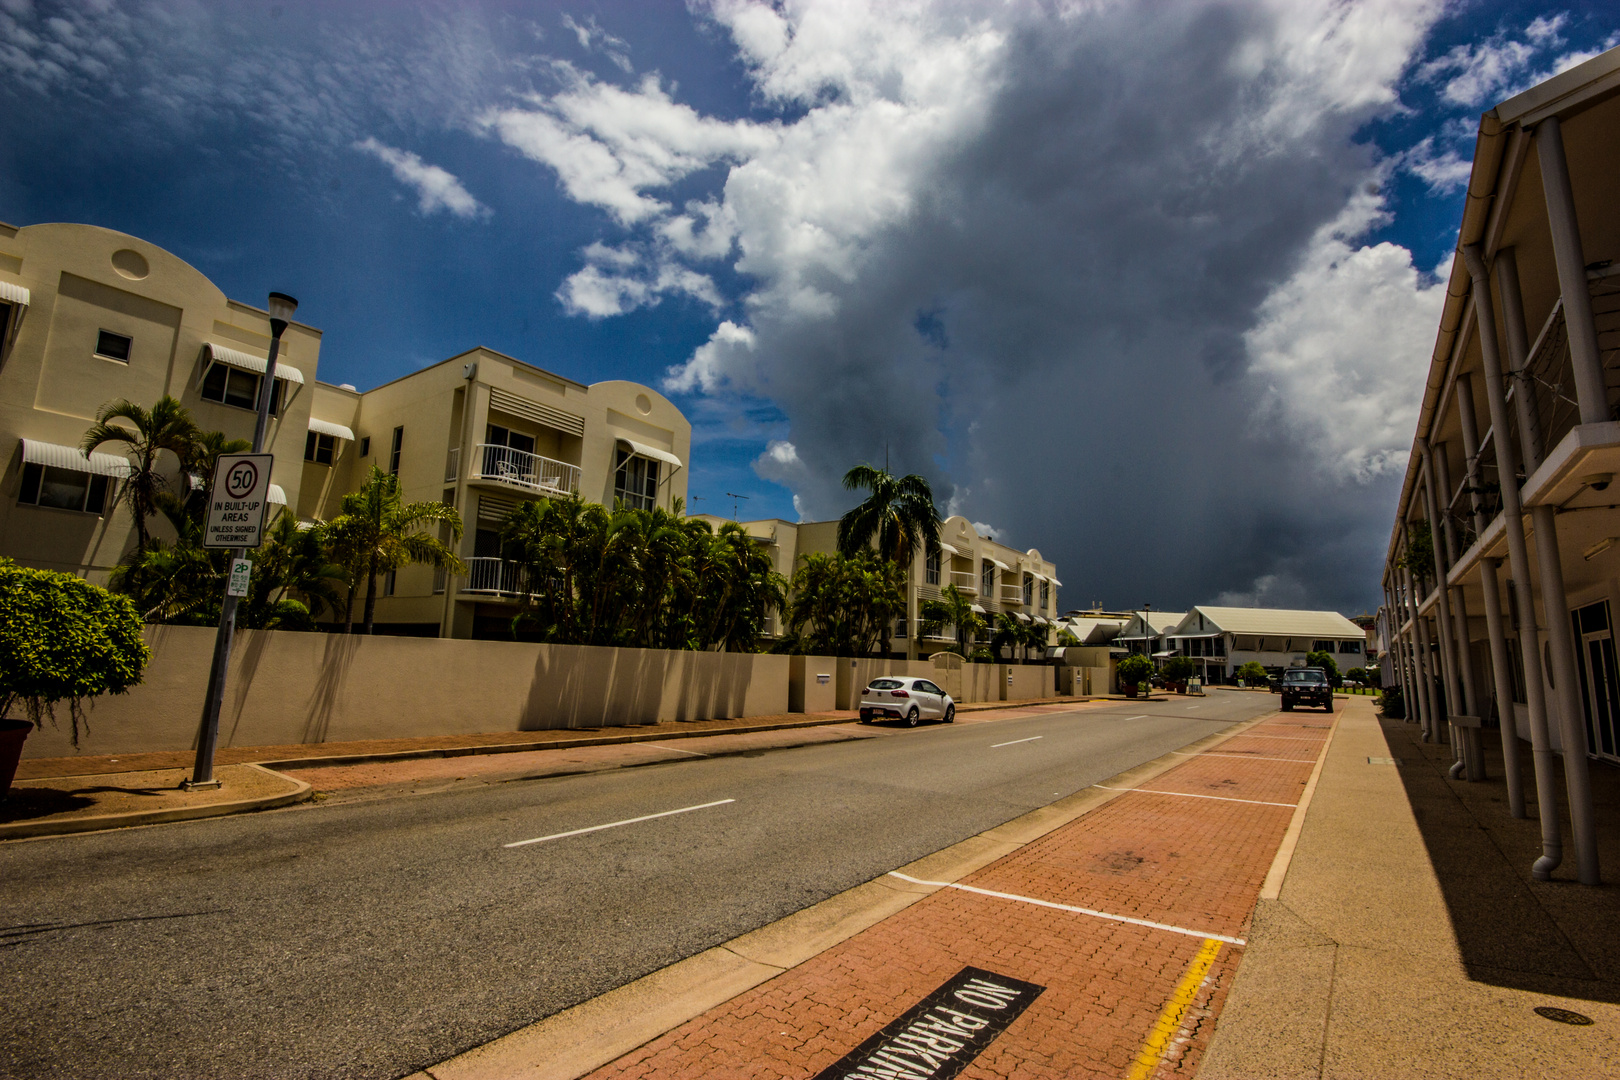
[(236, 503)]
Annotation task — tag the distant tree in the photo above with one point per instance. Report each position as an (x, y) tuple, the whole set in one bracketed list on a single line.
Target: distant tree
[(1179, 669), (1135, 670), (841, 605), (1253, 674), (898, 516), (953, 608), (1325, 661), (382, 533)]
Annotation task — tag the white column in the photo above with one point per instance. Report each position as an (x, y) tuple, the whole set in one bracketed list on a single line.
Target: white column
[(1507, 470), (1571, 262), (1448, 654), (1518, 355), (1459, 604)]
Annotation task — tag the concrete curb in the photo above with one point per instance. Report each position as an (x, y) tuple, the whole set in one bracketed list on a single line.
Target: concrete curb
[(1272, 888), (572, 1043), (38, 830)]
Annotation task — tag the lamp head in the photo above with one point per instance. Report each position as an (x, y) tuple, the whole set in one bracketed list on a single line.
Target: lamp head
[(1597, 481), (282, 307)]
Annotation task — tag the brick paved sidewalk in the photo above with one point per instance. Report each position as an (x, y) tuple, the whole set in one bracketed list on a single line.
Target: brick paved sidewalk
[(1131, 918)]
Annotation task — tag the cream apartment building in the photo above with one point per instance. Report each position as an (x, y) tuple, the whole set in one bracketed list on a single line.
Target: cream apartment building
[(1220, 640), (997, 578), (1512, 465), (483, 431), (89, 315)]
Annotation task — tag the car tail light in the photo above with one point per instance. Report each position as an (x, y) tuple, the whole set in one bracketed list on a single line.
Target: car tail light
[(899, 693)]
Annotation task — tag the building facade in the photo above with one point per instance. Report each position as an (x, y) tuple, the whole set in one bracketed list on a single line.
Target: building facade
[(1220, 640), (997, 578), (1503, 572), (89, 316)]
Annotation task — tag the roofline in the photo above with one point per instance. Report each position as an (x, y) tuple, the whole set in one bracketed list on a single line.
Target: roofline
[(469, 352)]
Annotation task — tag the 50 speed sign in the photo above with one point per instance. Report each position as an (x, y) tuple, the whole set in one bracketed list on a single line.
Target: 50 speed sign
[(237, 501)]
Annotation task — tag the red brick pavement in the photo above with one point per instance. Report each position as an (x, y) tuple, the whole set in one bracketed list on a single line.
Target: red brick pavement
[(1192, 863)]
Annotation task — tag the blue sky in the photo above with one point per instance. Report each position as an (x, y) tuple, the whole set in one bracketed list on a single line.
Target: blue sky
[(1146, 292)]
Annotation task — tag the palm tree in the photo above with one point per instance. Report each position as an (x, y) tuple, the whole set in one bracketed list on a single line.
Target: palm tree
[(144, 435), (898, 514), (292, 564), (380, 533), (953, 608)]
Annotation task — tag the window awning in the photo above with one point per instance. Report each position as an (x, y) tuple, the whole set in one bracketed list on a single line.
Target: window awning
[(71, 457), (1021, 616), (980, 609), (276, 496), (1000, 565), (948, 549), (236, 359), (324, 427), (13, 294), (643, 450), (1164, 655), (1058, 583)]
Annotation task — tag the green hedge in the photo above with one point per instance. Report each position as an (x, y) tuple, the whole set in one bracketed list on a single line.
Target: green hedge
[(63, 639)]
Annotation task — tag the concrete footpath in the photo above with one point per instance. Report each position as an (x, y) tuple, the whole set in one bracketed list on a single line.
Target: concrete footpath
[(58, 796)]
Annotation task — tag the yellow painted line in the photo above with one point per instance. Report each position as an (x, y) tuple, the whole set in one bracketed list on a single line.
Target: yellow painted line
[(1158, 1041)]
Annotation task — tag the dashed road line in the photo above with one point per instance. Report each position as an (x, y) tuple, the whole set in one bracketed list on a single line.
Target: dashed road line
[(1015, 742), (678, 750), (616, 824), (1069, 907)]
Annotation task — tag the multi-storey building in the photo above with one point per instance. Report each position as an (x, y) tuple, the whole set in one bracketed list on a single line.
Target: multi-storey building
[(997, 578), (89, 315), (1221, 640), (1503, 573)]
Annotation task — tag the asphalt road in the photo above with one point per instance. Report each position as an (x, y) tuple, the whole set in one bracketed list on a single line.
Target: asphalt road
[(372, 939)]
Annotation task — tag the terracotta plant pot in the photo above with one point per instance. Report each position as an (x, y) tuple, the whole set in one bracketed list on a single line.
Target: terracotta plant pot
[(1130, 691), (12, 734)]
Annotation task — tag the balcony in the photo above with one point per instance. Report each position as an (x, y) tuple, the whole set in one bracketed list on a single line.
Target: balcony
[(521, 469), (497, 577), (1012, 594), (965, 581)]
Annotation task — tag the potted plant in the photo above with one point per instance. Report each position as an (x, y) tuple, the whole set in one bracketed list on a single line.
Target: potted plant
[(1134, 674), (62, 639), (1177, 670)]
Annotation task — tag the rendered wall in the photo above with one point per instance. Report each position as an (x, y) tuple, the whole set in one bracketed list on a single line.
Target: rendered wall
[(1021, 682), (290, 688), (855, 673), (807, 693)]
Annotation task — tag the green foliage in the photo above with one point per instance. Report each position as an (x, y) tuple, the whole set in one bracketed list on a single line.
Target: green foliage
[(144, 434), (1325, 661), (981, 655), (1066, 638), (63, 640), (843, 605), (638, 578), (1253, 674), (1392, 703), (378, 532), (1360, 675), (1419, 554), (1179, 669), (1135, 670), (953, 608), (898, 516)]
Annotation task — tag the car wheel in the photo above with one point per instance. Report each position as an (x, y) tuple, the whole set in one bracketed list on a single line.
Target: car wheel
[(950, 714), (1288, 706), (1331, 705), (866, 719), (913, 716)]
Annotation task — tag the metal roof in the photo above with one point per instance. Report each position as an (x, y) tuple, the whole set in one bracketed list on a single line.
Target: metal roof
[(1280, 622), (35, 452), (237, 359)]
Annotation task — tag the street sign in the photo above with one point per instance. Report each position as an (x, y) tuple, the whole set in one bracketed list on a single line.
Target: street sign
[(241, 574), (237, 501)]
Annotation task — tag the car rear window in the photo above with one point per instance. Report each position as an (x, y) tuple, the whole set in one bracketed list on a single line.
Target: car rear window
[(885, 684)]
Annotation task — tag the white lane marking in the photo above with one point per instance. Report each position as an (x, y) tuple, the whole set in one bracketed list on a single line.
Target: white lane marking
[(1068, 907), (1015, 742), (1279, 738), (1142, 717), (678, 750), (1190, 795), (1246, 757), (1190, 708), (616, 824)]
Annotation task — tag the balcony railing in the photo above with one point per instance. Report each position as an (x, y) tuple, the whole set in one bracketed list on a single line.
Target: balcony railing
[(1012, 594), (518, 467), (965, 581), (498, 576), (452, 465)]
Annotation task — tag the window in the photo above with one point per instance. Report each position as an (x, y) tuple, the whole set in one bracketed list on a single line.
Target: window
[(1046, 595), (111, 346), (496, 435), (393, 453), (987, 578), (1220, 646), (390, 579), (1323, 646), (365, 446), (319, 448), (233, 386), (62, 489), (635, 484), (1029, 590), (1516, 669), (900, 628), (931, 568), (1351, 647)]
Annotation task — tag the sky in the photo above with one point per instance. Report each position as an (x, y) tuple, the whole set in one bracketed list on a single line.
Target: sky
[(1150, 288)]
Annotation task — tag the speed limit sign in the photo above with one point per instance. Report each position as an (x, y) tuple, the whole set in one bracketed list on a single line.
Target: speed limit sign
[(237, 501)]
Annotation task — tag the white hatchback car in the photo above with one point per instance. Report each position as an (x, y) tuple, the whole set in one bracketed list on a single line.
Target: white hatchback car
[(906, 698)]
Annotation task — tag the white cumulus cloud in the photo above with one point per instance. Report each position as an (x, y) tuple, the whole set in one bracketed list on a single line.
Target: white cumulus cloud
[(436, 188)]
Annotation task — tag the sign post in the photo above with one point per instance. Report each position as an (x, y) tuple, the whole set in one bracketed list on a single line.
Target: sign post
[(236, 509)]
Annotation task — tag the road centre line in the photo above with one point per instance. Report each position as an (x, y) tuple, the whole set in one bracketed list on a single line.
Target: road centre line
[(1245, 757), (1067, 907), (616, 824), (1190, 795), (678, 750), (1015, 742), (1144, 716)]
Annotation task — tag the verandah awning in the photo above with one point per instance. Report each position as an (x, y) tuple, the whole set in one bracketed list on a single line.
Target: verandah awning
[(326, 427), (35, 452), (223, 354), (643, 450)]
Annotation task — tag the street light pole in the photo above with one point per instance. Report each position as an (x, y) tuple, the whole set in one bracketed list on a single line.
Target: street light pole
[(282, 307)]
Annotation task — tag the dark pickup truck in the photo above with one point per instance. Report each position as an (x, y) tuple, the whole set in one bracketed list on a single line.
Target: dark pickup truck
[(1306, 686)]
